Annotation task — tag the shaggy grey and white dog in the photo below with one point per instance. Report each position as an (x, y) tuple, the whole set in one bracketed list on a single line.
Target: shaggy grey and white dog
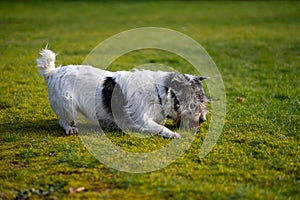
[(134, 100)]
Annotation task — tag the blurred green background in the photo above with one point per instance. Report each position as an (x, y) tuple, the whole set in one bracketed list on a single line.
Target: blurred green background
[(256, 46)]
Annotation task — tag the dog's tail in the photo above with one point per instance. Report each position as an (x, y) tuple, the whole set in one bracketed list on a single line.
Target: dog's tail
[(46, 63)]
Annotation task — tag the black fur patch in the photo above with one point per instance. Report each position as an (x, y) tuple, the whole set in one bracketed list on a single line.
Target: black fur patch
[(107, 91), (176, 102)]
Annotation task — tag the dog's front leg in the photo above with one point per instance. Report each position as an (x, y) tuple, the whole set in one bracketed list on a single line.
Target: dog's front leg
[(70, 127), (157, 129)]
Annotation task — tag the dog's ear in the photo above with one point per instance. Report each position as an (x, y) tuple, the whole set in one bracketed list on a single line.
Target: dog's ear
[(195, 78), (172, 96), (201, 78), (161, 89), (198, 79)]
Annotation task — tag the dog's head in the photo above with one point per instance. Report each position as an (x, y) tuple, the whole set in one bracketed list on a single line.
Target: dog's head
[(187, 99)]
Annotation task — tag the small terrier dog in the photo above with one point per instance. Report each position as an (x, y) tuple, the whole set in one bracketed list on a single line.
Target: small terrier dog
[(137, 100)]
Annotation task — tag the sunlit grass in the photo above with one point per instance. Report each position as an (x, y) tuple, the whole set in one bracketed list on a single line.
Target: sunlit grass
[(256, 47)]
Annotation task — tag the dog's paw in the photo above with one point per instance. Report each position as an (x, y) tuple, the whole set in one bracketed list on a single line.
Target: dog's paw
[(175, 135), (172, 135), (71, 130)]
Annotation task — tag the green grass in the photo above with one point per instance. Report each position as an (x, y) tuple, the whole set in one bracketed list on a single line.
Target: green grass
[(256, 46)]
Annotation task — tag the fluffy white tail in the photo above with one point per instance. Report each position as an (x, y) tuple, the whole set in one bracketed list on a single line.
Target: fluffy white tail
[(46, 63)]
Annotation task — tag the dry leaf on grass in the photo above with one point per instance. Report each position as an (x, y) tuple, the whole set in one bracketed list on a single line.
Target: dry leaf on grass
[(76, 190)]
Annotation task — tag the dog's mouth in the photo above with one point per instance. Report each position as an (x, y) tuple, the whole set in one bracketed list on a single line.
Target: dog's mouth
[(194, 124), (190, 123)]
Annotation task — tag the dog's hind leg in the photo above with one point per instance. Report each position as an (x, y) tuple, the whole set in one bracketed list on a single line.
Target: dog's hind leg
[(66, 112), (69, 126), (157, 129)]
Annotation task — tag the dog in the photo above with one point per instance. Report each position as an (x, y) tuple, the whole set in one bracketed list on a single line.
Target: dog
[(138, 100)]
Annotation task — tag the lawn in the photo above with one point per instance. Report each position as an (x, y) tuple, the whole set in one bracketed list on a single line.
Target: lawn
[(256, 46)]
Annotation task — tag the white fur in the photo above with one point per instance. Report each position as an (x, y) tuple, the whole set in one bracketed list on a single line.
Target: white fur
[(72, 89)]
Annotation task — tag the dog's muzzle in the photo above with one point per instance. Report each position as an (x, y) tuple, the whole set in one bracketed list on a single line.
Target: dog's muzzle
[(191, 123), (202, 119)]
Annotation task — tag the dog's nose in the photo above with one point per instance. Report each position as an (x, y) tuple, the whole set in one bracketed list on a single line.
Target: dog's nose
[(201, 120)]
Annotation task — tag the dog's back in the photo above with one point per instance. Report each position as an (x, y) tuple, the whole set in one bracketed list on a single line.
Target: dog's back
[(71, 88), (145, 97)]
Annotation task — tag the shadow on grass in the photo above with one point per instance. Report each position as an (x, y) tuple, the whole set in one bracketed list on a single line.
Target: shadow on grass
[(44, 128), (37, 127)]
